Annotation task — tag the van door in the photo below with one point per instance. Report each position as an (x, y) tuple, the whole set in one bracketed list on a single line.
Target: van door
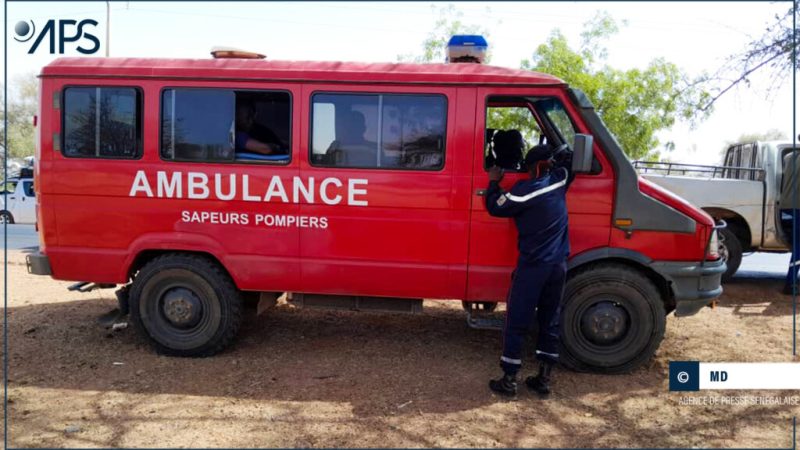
[(387, 222), (493, 241)]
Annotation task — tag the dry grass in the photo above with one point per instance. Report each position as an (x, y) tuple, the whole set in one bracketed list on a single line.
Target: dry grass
[(305, 378)]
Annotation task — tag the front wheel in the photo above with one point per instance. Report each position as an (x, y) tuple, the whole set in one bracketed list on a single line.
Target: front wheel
[(185, 305), (613, 319)]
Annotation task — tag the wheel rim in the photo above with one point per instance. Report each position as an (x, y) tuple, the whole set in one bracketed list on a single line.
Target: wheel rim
[(181, 307), (178, 312), (603, 325), (3, 219), (722, 248)]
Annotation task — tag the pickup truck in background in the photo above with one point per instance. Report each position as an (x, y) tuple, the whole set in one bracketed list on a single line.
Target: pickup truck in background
[(18, 199), (743, 192)]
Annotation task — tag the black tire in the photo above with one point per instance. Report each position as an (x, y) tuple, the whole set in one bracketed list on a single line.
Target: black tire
[(730, 249), (185, 305), (613, 319), (6, 217)]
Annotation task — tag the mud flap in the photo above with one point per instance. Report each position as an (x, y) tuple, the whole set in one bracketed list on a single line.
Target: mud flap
[(117, 315)]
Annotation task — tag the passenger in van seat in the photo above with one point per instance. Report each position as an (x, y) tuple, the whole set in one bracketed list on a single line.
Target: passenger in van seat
[(508, 148), (352, 149), (245, 118), (538, 206)]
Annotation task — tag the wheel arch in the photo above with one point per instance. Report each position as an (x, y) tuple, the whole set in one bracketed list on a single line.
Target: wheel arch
[(150, 246), (629, 258)]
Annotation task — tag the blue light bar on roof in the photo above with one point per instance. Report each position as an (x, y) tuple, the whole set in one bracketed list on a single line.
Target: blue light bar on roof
[(466, 48)]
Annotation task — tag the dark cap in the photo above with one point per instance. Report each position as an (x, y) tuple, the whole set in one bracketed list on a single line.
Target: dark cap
[(538, 153)]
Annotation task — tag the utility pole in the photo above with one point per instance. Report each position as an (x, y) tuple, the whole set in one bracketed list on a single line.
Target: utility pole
[(108, 27)]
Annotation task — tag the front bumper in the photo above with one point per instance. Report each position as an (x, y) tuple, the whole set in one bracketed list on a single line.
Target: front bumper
[(694, 285), (38, 264)]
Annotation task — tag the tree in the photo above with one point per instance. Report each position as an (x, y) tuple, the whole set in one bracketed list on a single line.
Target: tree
[(22, 106), (635, 104), (774, 52)]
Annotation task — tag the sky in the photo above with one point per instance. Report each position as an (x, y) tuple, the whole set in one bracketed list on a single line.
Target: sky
[(697, 36)]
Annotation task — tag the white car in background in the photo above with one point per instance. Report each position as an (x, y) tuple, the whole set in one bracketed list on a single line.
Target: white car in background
[(743, 191), (18, 200)]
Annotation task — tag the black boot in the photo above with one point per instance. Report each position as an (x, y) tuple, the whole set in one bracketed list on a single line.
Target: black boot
[(541, 382), (507, 385)]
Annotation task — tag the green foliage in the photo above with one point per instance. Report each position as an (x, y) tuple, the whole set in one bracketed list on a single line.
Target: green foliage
[(514, 118), (22, 106), (635, 104)]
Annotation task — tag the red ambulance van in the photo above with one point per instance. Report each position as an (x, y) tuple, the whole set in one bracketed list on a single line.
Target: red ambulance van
[(198, 183)]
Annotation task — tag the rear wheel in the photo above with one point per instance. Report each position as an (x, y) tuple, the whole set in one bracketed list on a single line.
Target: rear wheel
[(185, 305), (730, 250), (613, 319), (6, 217)]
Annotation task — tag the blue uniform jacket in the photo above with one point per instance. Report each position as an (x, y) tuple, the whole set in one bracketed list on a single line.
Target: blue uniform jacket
[(539, 208)]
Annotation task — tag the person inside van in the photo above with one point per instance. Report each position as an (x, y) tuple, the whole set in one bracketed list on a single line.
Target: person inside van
[(352, 149), (245, 140)]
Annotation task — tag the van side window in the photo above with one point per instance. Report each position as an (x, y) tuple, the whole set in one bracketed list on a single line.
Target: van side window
[(378, 131), (102, 122), (225, 125)]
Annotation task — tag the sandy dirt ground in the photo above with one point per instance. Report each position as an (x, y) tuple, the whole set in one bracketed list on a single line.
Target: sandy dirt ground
[(311, 378)]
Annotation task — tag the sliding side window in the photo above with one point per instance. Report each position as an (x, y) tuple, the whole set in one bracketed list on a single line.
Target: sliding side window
[(225, 125), (378, 131), (102, 122)]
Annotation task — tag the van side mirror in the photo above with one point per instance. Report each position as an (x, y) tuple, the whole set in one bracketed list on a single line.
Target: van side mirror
[(582, 153)]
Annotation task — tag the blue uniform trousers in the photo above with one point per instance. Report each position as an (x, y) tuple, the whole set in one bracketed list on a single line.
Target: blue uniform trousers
[(535, 294), (790, 219)]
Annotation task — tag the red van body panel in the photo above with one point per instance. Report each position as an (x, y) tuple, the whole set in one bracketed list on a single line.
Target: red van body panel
[(421, 234)]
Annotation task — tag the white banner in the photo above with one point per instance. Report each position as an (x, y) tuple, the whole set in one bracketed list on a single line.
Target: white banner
[(749, 376)]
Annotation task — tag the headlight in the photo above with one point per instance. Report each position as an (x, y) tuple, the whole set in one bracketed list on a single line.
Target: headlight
[(712, 252)]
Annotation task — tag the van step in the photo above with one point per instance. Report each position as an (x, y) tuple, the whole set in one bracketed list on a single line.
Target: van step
[(86, 286), (484, 321), (356, 303)]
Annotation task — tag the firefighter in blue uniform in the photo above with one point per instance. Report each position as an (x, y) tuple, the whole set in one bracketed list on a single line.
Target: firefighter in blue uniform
[(538, 206)]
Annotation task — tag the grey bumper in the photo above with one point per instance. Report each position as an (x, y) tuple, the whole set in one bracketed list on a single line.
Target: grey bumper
[(694, 285), (38, 264)]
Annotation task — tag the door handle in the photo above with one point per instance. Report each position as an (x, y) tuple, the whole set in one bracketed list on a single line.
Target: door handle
[(481, 192)]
